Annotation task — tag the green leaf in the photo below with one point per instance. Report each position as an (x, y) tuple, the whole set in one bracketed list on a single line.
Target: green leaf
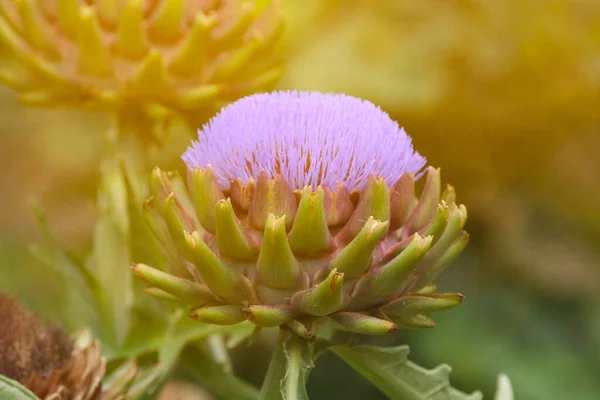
[(288, 371), (388, 368), (213, 377), (504, 390), (13, 390)]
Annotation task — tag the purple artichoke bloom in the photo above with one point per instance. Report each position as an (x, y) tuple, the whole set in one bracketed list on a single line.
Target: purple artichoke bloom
[(309, 138), (302, 207)]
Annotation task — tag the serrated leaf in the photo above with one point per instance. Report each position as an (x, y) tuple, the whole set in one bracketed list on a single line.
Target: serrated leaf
[(388, 368), (13, 390), (504, 390)]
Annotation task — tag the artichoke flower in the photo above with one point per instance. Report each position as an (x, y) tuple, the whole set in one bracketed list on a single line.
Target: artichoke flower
[(301, 208), (150, 59), (51, 364)]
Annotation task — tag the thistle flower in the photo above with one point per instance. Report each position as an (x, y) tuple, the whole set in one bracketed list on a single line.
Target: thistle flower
[(301, 208), (153, 58), (51, 364)]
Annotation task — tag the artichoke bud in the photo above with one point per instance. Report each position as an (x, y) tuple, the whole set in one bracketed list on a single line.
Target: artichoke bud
[(255, 263), (286, 224)]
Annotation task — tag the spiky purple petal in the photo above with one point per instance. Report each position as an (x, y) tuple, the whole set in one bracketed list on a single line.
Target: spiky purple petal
[(310, 138)]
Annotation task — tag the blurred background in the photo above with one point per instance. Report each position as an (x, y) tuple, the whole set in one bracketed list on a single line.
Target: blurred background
[(504, 95)]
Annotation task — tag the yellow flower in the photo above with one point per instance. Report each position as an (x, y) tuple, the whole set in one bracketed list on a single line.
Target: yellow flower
[(149, 58)]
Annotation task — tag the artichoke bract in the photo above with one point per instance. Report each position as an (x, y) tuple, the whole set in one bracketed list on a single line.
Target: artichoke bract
[(148, 58), (301, 207)]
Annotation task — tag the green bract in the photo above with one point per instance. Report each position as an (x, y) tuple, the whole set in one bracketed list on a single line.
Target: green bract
[(263, 252)]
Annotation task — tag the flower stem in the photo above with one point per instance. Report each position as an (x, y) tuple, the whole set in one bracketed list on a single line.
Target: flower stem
[(288, 369)]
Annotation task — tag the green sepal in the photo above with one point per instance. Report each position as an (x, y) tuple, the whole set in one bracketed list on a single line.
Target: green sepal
[(402, 201), (178, 223), (422, 304), (231, 241), (325, 298), (355, 258), (206, 193), (276, 265), (269, 316), (221, 280), (188, 291), (374, 202), (310, 233), (218, 315), (384, 281), (427, 205), (364, 324), (272, 196)]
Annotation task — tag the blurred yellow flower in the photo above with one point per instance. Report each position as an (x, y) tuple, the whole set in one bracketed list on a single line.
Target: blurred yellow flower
[(148, 58)]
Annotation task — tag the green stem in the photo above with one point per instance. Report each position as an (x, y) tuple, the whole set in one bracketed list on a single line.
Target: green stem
[(288, 369), (295, 348)]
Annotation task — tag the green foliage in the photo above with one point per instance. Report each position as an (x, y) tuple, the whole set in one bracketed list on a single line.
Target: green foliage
[(388, 368)]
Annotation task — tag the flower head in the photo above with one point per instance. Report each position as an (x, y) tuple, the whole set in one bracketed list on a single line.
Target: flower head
[(301, 207), (155, 58), (309, 138), (50, 363)]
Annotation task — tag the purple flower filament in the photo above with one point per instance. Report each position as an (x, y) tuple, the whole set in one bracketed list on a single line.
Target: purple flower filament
[(309, 138)]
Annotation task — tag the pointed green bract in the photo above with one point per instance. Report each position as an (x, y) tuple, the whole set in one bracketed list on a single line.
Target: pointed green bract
[(402, 201), (355, 258), (422, 304), (310, 233), (218, 315), (417, 321), (444, 261), (427, 205), (218, 277), (178, 224), (437, 225), (190, 292), (384, 281), (207, 193), (231, 241), (269, 316), (277, 266), (325, 298), (364, 324), (374, 202)]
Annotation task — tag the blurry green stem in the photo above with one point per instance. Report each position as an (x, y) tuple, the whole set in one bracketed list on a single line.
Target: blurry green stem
[(121, 184)]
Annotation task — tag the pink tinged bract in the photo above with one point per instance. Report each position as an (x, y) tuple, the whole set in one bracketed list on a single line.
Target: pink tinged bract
[(309, 138)]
